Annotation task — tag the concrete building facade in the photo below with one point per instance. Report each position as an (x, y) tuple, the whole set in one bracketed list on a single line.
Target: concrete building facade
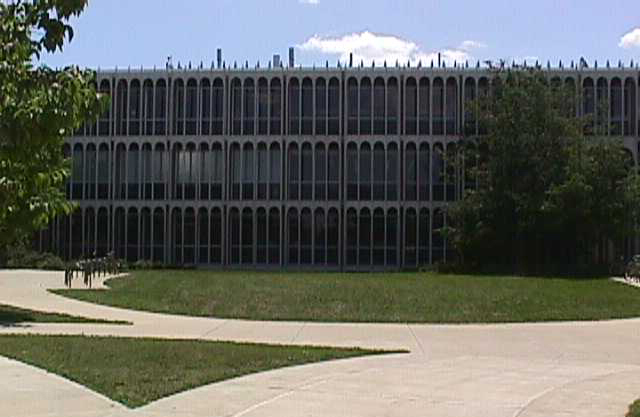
[(332, 168)]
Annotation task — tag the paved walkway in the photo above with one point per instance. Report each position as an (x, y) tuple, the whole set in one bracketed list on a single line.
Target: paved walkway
[(513, 370)]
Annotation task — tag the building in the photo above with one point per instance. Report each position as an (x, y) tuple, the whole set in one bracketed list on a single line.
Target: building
[(331, 168)]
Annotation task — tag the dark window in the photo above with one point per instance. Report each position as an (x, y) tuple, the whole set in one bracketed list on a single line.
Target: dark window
[(307, 106), (294, 107), (321, 106), (365, 106), (411, 110)]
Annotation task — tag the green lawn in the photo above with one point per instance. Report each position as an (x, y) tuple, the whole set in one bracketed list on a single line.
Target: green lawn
[(360, 297), (136, 371), (10, 315), (634, 409)]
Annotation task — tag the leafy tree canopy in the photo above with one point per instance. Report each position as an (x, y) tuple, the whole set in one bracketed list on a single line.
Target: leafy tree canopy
[(39, 107), (547, 194)]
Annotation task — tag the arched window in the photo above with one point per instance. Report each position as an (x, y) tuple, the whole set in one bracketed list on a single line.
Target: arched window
[(320, 172), (352, 171), (121, 168), (411, 172), (392, 172), (215, 234), (178, 107), (424, 234), (630, 107), (203, 236), (147, 107), (307, 172), (248, 172), (103, 226), (410, 243), (263, 106), (120, 227), (352, 106), (158, 235), (89, 246), (276, 107), (262, 161), (378, 237), (90, 172), (234, 236), (424, 172), (379, 170), (105, 117), (307, 106), (321, 106), (364, 241), (469, 102), (216, 169), (392, 106), (589, 103), (104, 173), (235, 171), (333, 232), (275, 169), (452, 106), (146, 169), (236, 106), (77, 172), (134, 107), (334, 106), (306, 236), (438, 106), (217, 102), (145, 233), (247, 236), (249, 107), (616, 106), (333, 172), (294, 236), (437, 239), (379, 103), (365, 172), (294, 171), (159, 172), (392, 237), (261, 236), (294, 106), (274, 236), (191, 107), (424, 106), (205, 108), (205, 167), (320, 232), (451, 166), (121, 107), (411, 107), (352, 237), (160, 104), (365, 106), (133, 172), (437, 171), (132, 235)]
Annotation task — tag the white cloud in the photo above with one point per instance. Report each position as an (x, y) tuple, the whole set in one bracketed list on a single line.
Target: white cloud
[(630, 39), (312, 2), (368, 46)]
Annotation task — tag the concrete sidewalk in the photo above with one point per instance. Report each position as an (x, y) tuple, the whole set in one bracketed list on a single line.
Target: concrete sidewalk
[(536, 369)]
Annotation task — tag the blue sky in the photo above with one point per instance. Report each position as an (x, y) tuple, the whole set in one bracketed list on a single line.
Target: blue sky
[(138, 33)]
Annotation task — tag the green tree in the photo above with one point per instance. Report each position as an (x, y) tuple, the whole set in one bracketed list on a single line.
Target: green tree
[(39, 107), (547, 194)]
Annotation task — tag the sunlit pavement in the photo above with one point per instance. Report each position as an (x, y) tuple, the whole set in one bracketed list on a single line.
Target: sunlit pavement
[(537, 369)]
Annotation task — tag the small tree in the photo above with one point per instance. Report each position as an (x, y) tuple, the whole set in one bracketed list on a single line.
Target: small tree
[(547, 194), (39, 107)]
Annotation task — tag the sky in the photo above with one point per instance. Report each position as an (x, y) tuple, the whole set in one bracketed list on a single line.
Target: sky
[(143, 33)]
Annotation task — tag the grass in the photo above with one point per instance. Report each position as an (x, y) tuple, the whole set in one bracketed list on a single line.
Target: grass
[(392, 297), (634, 409), (136, 371), (10, 315)]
